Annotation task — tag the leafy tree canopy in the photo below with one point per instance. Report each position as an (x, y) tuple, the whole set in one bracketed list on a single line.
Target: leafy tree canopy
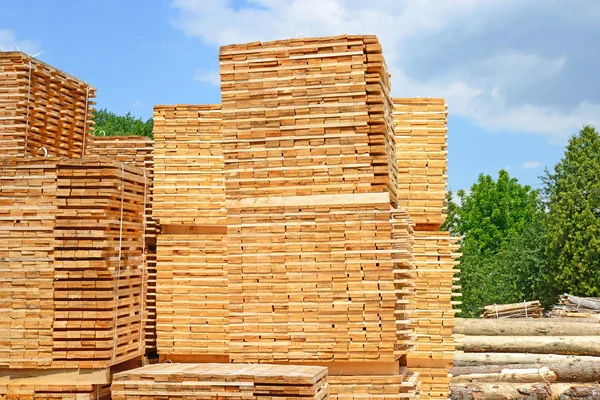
[(497, 220), (110, 124)]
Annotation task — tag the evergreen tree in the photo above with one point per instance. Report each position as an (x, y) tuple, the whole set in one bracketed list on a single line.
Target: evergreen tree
[(573, 220)]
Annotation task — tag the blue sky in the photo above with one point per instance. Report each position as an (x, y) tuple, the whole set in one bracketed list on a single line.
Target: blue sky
[(519, 76)]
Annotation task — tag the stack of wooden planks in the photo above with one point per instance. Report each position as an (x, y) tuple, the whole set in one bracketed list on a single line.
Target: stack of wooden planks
[(221, 381), (54, 391), (431, 311), (421, 152), (421, 133), (577, 307), (319, 254), (71, 234), (189, 186), (137, 151), (526, 309), (319, 282), (403, 385), (42, 109), (542, 357), (189, 203), (132, 150)]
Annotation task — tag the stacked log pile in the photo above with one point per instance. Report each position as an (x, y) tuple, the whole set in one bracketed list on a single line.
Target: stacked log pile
[(421, 133), (137, 151), (526, 309), (221, 381), (531, 356), (318, 251), (42, 110), (577, 307)]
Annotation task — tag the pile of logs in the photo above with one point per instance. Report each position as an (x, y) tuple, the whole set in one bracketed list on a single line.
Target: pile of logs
[(577, 307), (513, 359), (526, 309)]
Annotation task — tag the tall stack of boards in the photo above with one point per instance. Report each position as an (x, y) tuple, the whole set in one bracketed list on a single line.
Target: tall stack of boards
[(287, 228), (137, 151), (421, 133), (43, 111), (71, 241), (293, 227), (319, 264)]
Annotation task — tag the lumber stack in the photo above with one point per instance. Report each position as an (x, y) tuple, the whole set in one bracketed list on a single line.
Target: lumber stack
[(150, 289), (421, 133), (431, 311), (189, 181), (41, 108), (137, 151), (54, 391), (319, 262), (71, 260), (350, 387), (221, 381), (421, 152), (570, 306), (133, 150), (189, 203), (526, 309), (517, 352)]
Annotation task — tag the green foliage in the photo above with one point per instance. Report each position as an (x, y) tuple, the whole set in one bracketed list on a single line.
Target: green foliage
[(109, 124), (573, 220), (501, 263), (451, 222)]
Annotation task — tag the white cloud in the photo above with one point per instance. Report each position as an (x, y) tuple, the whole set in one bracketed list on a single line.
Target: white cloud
[(531, 164), (211, 77), (9, 41), (497, 62)]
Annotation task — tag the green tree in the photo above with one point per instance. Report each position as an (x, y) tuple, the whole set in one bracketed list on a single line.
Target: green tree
[(573, 201), (110, 124), (451, 215), (497, 219)]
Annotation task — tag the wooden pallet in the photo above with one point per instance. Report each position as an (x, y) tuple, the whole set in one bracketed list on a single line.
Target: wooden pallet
[(421, 153), (71, 247), (219, 381), (41, 108)]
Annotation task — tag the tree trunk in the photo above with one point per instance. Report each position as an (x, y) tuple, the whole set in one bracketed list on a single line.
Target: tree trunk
[(564, 371), (530, 375), (474, 359), (589, 302), (524, 327), (570, 345), (568, 391), (502, 391), (525, 391)]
